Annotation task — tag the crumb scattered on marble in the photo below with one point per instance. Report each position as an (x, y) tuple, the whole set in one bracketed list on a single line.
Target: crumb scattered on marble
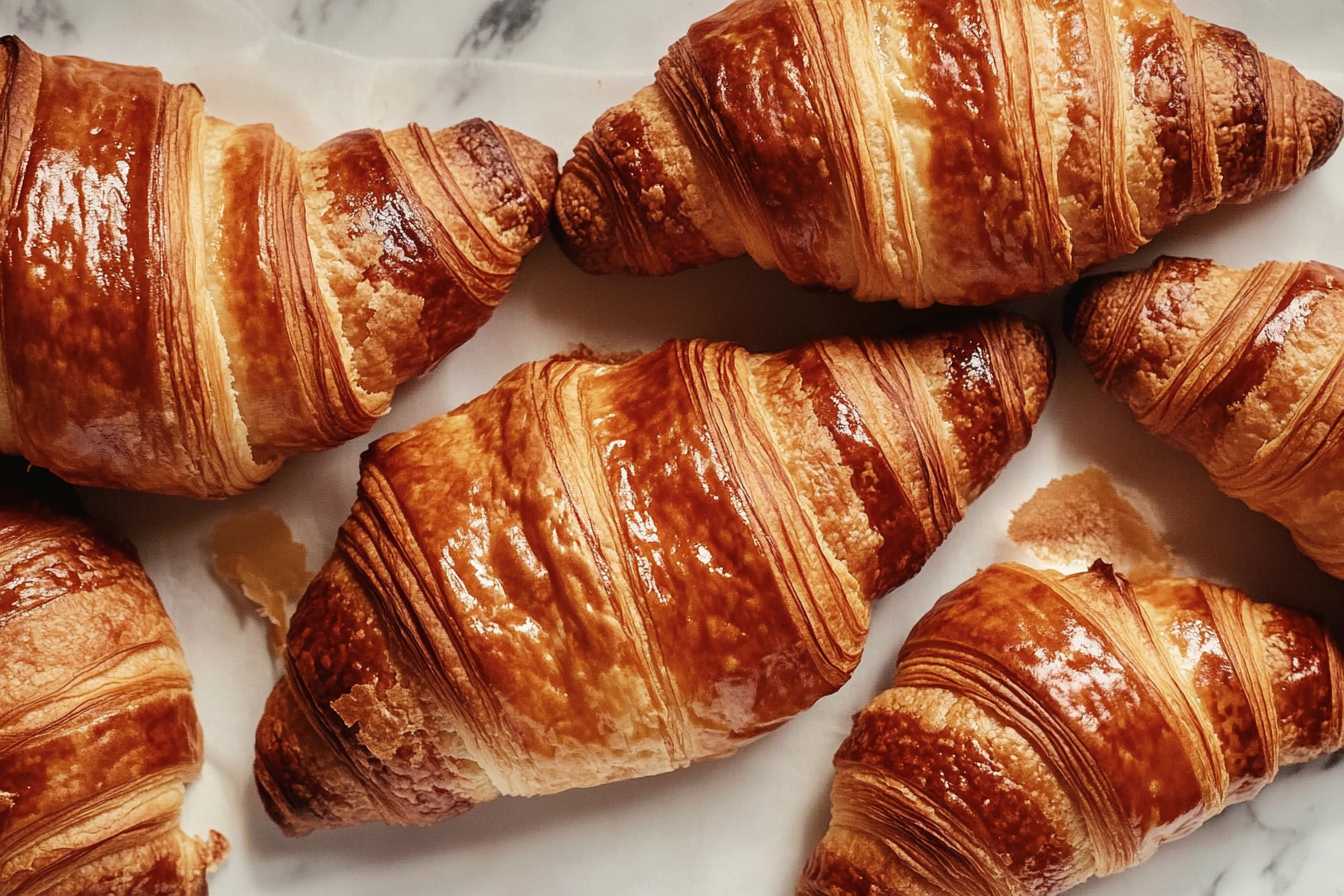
[(1083, 517), (255, 553), (216, 850)]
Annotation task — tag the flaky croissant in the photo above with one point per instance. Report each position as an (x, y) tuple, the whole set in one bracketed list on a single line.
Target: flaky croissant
[(184, 303), (1042, 730), (599, 571), (1242, 368), (959, 151), (98, 733)]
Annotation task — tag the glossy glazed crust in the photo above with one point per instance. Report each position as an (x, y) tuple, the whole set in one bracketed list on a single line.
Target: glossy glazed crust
[(1242, 368), (959, 151), (603, 570), (186, 302), (98, 733), (1098, 720)]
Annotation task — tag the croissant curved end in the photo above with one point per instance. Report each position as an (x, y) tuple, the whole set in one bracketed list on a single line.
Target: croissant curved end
[(1080, 300), (1028, 388), (301, 796), (323, 763), (634, 200), (1030, 344), (584, 230), (1325, 123), (538, 164), (304, 787), (270, 739), (1042, 347)]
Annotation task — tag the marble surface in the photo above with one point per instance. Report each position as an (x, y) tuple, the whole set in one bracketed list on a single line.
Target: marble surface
[(743, 825)]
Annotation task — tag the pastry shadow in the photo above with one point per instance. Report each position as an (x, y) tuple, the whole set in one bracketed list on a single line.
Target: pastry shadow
[(1230, 234), (733, 300), (455, 843)]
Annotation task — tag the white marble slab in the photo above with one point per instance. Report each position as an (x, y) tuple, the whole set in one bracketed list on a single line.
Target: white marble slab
[(743, 825)]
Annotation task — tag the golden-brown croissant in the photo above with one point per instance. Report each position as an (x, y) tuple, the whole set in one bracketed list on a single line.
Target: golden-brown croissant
[(98, 733), (1244, 369), (598, 571), (1042, 730), (959, 151), (185, 303)]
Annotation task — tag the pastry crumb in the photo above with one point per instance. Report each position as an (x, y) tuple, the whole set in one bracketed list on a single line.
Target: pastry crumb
[(216, 850), (1077, 519), (255, 553), (582, 351)]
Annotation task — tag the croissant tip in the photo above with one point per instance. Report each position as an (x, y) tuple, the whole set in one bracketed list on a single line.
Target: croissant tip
[(287, 822), (1079, 301), (1045, 348), (1032, 344), (1325, 123), (584, 230), (1040, 382), (537, 161), (284, 796)]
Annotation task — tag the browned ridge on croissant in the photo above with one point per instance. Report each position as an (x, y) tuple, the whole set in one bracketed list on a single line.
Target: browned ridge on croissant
[(598, 571), (1244, 369), (98, 732), (184, 303), (959, 151), (1099, 720)]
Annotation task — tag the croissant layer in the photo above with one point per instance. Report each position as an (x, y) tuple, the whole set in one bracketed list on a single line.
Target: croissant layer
[(186, 302), (1099, 720), (602, 570), (1244, 369), (98, 732), (960, 151)]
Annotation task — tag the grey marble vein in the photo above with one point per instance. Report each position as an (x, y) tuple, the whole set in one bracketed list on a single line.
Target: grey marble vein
[(305, 17), (1284, 867), (39, 18), (502, 25)]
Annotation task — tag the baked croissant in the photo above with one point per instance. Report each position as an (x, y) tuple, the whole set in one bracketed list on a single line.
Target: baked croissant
[(959, 151), (184, 303), (1244, 370), (1097, 719), (603, 570), (98, 733)]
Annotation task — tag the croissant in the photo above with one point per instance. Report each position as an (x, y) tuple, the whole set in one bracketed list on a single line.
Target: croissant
[(98, 733), (1243, 369), (1099, 720), (185, 303), (604, 570), (960, 151)]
